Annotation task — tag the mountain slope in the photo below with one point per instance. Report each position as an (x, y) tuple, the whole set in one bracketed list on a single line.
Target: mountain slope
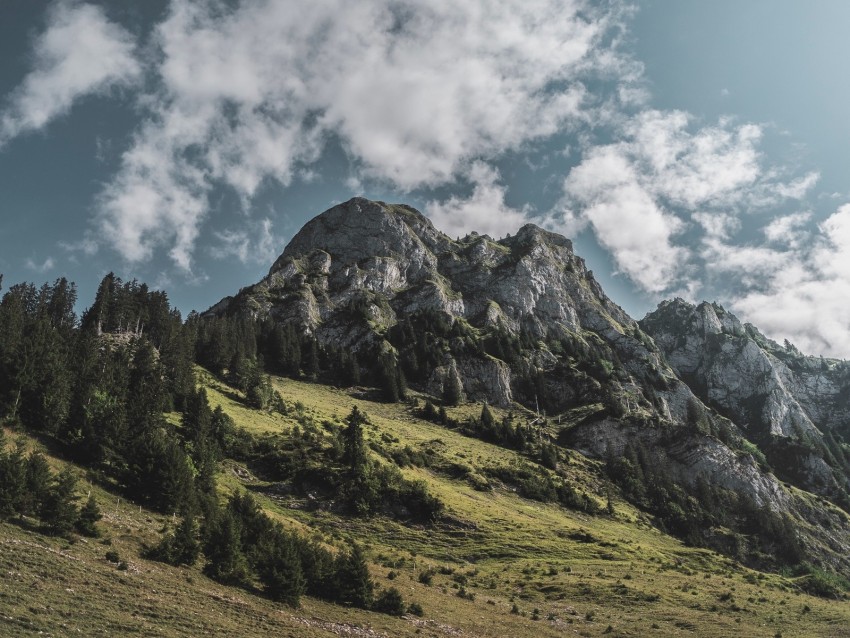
[(795, 407), (581, 573), (522, 319)]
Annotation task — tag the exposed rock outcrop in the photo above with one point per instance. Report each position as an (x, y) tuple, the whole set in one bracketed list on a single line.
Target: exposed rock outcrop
[(522, 319)]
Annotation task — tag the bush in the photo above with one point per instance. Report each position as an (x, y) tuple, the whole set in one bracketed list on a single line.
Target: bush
[(390, 602), (818, 582)]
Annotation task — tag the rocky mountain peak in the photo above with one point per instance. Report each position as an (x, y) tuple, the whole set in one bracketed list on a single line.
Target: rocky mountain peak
[(360, 229), (522, 320)]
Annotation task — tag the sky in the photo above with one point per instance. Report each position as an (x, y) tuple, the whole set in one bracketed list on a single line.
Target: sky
[(692, 149)]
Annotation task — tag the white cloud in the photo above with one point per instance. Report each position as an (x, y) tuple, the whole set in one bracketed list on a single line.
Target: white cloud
[(41, 268), (717, 225), (157, 198), (484, 211), (625, 218), (635, 194), (414, 92), (79, 53), (787, 229), (799, 292), (255, 244)]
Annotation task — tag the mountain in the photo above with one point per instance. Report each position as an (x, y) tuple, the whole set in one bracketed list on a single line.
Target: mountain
[(399, 433), (686, 399), (795, 407)]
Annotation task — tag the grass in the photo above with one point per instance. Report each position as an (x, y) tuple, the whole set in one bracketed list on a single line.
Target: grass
[(493, 562)]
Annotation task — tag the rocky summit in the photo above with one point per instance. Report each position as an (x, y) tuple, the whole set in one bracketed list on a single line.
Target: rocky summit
[(730, 416)]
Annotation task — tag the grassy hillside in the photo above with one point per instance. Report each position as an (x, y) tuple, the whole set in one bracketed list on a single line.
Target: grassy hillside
[(495, 565)]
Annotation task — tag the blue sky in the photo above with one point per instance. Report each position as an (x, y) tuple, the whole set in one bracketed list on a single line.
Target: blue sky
[(692, 149)]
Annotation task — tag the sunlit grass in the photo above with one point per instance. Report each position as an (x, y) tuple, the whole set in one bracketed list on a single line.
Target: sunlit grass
[(580, 573)]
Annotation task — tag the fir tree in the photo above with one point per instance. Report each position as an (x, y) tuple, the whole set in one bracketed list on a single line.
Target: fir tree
[(280, 568), (38, 478), (487, 418), (354, 448), (180, 546), (354, 585), (59, 511), (12, 480), (452, 388), (390, 602), (226, 561), (90, 514)]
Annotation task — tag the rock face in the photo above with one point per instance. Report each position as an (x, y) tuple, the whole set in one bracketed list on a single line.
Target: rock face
[(788, 403), (521, 319), (391, 261)]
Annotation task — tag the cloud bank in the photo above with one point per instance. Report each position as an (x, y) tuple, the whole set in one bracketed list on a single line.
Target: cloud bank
[(414, 92)]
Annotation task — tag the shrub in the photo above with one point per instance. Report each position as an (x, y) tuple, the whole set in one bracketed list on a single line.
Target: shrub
[(390, 602)]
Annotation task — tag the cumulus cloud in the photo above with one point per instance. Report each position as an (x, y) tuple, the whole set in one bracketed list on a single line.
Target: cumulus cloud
[(624, 217), (788, 229), (636, 193), (414, 92), (806, 297), (81, 52), (484, 211)]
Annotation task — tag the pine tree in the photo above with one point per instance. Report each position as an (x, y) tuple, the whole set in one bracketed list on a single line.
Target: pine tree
[(429, 412), (226, 561), (354, 585), (222, 428), (354, 447), (487, 418), (390, 602), (90, 514), (549, 456), (59, 511), (388, 377), (187, 548), (38, 478), (452, 388), (280, 568), (12, 480), (180, 546)]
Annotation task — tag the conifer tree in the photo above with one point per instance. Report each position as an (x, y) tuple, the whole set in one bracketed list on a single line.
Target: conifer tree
[(280, 568), (452, 388), (226, 561), (38, 478), (487, 418), (354, 585), (187, 548), (90, 514), (12, 480), (59, 511), (354, 448)]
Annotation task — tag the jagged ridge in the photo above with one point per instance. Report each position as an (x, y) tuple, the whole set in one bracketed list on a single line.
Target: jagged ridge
[(362, 267)]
